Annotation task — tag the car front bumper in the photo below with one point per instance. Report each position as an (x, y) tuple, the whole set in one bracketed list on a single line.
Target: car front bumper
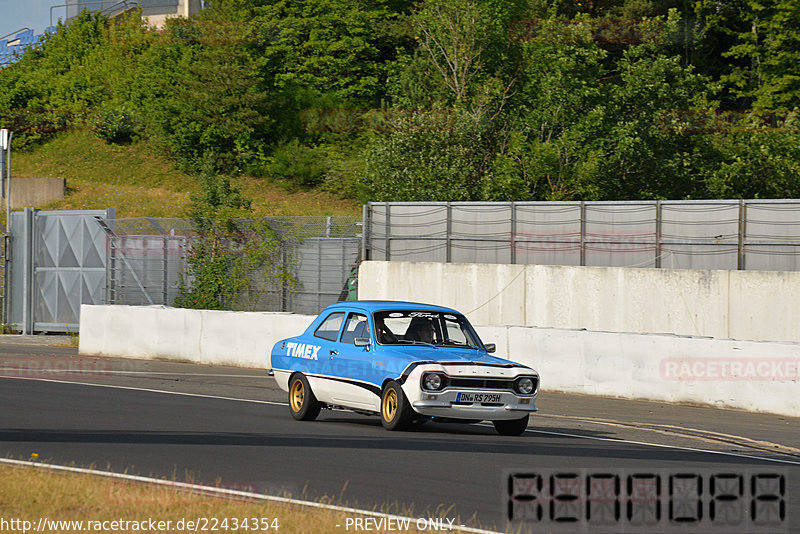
[(446, 405)]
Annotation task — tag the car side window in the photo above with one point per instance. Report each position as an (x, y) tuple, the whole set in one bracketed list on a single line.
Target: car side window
[(356, 326), (454, 333), (329, 329)]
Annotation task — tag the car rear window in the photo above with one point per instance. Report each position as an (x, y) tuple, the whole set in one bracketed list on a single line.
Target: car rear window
[(329, 329)]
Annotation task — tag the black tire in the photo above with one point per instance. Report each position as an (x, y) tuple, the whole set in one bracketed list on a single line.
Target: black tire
[(302, 402), (396, 413), (511, 427)]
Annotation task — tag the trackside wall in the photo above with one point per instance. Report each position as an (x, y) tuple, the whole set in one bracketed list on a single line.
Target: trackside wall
[(748, 305), (749, 375), (204, 336)]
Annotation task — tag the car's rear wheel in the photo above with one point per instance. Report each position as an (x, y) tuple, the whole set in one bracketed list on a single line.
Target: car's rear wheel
[(302, 402), (511, 427), (396, 412)]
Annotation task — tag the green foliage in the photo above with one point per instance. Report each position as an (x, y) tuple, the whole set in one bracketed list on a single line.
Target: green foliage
[(202, 100), (432, 99), (756, 165), (298, 166), (428, 156), (771, 45), (214, 275), (115, 126), (231, 258), (219, 202), (644, 159), (329, 46)]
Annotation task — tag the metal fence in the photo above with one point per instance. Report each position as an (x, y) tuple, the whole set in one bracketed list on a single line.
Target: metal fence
[(147, 260), (4, 285), (719, 234), (55, 262)]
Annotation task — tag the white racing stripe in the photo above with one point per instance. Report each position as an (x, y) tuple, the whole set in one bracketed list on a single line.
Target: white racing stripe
[(224, 492), (564, 434)]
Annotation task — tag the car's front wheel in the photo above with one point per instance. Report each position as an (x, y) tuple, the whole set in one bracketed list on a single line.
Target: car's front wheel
[(302, 402), (511, 427), (396, 412)]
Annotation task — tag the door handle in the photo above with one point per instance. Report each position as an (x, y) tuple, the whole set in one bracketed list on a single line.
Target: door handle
[(334, 352)]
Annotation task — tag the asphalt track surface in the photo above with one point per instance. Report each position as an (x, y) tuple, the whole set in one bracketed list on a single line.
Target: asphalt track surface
[(180, 420)]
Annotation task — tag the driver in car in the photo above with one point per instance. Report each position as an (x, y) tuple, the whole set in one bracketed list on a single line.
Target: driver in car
[(421, 330)]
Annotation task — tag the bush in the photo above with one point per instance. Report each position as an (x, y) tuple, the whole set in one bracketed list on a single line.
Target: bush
[(298, 166), (115, 126)]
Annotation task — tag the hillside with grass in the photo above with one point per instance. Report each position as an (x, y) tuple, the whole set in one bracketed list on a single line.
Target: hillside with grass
[(138, 181), (416, 100)]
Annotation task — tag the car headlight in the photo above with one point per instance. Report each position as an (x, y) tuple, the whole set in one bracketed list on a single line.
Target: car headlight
[(433, 381), (525, 385)]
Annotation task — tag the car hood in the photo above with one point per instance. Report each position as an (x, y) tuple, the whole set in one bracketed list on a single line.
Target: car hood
[(446, 354)]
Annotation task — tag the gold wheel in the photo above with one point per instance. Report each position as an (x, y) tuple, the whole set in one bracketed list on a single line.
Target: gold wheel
[(389, 405), (302, 403), (297, 395)]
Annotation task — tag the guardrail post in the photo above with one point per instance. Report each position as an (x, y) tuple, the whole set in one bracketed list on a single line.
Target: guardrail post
[(164, 271), (449, 238), (658, 235), (388, 229), (513, 232), (740, 260), (583, 233), (365, 229)]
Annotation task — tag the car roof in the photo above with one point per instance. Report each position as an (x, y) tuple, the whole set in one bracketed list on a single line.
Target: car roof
[(378, 305)]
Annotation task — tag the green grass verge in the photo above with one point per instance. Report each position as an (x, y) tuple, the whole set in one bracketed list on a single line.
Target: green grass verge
[(34, 495)]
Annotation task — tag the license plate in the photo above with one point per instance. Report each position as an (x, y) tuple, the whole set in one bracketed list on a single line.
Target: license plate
[(478, 397)]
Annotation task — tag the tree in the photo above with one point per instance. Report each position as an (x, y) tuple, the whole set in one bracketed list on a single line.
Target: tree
[(771, 46), (329, 46), (232, 258), (203, 100)]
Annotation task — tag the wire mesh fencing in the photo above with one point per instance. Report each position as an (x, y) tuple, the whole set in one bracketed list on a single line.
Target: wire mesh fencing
[(309, 266), (707, 234)]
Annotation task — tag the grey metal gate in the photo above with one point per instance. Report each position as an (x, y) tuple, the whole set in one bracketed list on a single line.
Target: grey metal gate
[(58, 262)]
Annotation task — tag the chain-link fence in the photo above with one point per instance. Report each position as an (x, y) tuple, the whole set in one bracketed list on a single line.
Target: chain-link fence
[(703, 234), (309, 267)]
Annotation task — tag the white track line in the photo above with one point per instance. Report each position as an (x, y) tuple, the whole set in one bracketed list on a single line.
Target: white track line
[(660, 445), (102, 372), (223, 491), (564, 434), (112, 386)]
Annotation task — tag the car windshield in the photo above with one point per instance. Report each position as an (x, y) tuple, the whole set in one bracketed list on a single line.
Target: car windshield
[(419, 327)]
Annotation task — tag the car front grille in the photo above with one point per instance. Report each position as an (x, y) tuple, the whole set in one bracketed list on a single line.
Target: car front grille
[(486, 383)]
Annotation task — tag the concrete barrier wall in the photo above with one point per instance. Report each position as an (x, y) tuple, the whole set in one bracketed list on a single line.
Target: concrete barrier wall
[(212, 337), (748, 375), (754, 376), (747, 305), (35, 192)]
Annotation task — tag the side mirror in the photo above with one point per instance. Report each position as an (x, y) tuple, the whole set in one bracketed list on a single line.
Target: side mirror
[(361, 342), (490, 347)]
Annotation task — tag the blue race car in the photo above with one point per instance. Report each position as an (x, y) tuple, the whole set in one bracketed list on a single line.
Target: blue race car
[(405, 361)]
